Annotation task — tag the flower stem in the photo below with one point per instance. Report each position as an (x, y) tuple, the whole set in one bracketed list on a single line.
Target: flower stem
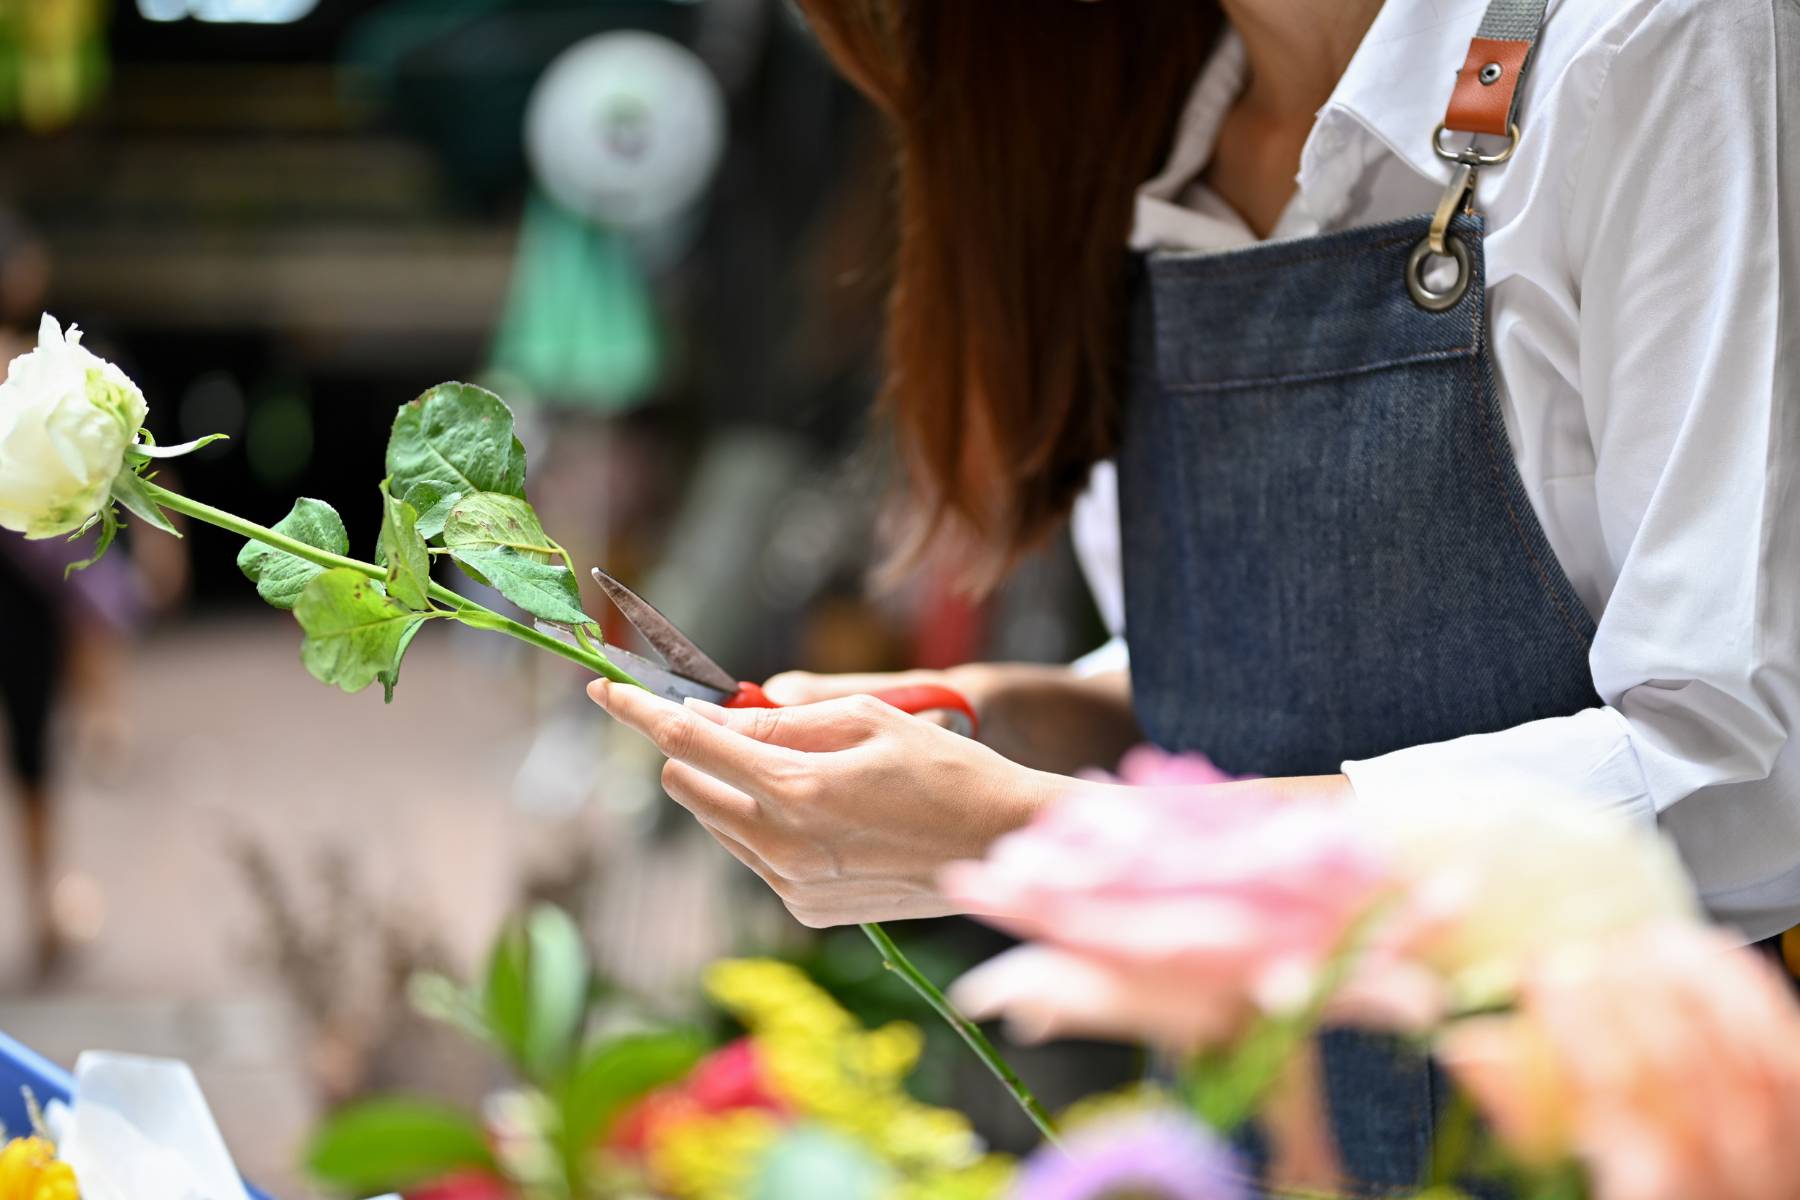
[(482, 617), (466, 610), (897, 962)]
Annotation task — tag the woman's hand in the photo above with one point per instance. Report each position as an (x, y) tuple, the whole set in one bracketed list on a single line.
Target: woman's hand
[(847, 808), (1043, 716)]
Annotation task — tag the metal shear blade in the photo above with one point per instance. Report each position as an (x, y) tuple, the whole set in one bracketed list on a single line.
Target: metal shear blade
[(665, 637), (661, 681), (657, 678)]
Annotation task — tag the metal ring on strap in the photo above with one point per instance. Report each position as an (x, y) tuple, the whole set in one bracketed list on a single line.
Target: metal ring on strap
[(1423, 294), (1470, 156)]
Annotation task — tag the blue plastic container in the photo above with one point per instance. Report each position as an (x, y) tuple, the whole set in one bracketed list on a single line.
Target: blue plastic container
[(21, 1068)]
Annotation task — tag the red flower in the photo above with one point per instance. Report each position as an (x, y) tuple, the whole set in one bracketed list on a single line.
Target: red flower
[(472, 1185), (638, 1125), (727, 1080), (731, 1078)]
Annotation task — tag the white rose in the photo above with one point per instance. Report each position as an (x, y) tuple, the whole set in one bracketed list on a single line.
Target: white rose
[(1502, 873), (66, 418)]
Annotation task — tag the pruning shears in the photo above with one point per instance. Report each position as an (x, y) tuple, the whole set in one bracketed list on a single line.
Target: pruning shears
[(688, 671)]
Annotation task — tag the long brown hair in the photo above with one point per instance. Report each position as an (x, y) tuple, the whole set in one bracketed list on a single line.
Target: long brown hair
[(1023, 129)]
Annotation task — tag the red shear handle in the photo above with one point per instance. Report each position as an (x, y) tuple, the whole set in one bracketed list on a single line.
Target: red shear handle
[(919, 698), (751, 695)]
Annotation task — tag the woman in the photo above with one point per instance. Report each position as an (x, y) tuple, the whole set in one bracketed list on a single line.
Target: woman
[(1405, 503)]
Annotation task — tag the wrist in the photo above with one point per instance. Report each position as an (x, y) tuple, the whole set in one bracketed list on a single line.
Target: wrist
[(1036, 791), (1332, 788), (976, 681)]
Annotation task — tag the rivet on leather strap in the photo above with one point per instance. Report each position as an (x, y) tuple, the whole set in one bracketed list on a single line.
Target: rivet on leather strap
[(1478, 106), (1486, 99)]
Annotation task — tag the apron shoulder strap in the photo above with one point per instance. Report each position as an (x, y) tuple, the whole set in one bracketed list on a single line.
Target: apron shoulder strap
[(1486, 99)]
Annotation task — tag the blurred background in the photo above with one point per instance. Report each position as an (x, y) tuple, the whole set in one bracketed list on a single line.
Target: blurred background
[(656, 228)]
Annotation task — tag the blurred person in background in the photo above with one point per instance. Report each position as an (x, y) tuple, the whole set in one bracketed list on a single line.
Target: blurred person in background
[(65, 641), (1390, 507)]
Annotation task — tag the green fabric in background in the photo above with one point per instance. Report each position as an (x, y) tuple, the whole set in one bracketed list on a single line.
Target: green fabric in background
[(579, 328)]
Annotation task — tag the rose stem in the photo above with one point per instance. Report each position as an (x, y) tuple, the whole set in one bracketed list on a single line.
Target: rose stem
[(469, 610), (970, 1033), (892, 956)]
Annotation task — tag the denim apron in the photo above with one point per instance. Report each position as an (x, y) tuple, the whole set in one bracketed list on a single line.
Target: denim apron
[(1329, 552)]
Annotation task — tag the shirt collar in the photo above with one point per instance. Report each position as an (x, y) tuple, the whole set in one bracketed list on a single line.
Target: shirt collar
[(1197, 132), (1397, 87), (1388, 102)]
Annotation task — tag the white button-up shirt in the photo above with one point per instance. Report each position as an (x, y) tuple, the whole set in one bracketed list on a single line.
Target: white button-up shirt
[(1643, 266)]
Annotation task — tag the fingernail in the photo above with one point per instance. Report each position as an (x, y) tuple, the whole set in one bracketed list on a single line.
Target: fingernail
[(599, 692), (704, 706)]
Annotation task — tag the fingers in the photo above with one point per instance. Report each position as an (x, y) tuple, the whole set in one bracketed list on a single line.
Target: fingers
[(804, 687), (715, 804), (820, 728), (745, 855), (684, 735)]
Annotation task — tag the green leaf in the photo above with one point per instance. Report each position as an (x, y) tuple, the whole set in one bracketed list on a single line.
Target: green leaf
[(108, 521), (459, 435), (280, 577), (393, 1144), (355, 634), (128, 490), (500, 541), (535, 999), (390, 677), (611, 1076), (439, 998), (1227, 1086), (490, 521), (148, 450), (505, 995), (433, 499), (557, 989), (548, 593), (404, 551)]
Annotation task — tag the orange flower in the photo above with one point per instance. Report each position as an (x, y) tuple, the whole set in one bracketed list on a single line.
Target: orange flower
[(1668, 1062)]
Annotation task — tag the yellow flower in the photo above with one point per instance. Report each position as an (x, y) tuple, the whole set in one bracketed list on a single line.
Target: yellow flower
[(985, 1179), (713, 1156), (29, 1171), (839, 1074)]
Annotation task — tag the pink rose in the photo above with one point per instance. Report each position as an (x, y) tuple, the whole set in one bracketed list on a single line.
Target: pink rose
[(1667, 1061), (1171, 913)]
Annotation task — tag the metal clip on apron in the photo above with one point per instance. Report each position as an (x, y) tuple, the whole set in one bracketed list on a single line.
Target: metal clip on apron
[(1329, 551), (1486, 101)]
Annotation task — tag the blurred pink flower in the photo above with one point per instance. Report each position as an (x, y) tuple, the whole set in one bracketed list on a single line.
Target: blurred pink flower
[(1170, 912), (1668, 1062), (1147, 766)]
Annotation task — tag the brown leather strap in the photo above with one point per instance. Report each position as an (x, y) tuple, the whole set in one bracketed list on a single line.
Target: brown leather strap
[(1486, 99), (1487, 87)]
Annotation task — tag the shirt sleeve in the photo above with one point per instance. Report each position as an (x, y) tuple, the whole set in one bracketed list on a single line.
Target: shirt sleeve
[(1687, 273), (1094, 529)]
